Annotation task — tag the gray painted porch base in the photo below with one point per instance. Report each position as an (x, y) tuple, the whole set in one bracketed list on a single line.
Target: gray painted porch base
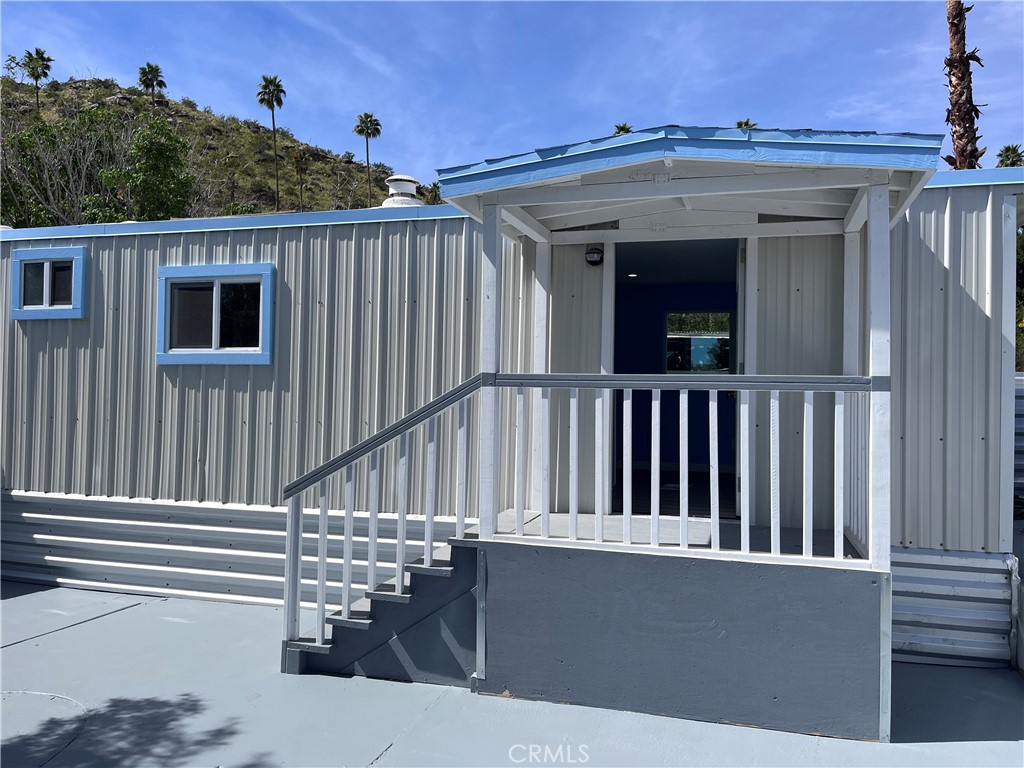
[(785, 647)]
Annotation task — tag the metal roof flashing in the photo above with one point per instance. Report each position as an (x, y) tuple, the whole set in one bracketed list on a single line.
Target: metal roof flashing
[(977, 177), (222, 223), (899, 151)]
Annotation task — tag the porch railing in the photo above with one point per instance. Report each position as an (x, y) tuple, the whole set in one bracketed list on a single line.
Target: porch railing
[(779, 499), (842, 398)]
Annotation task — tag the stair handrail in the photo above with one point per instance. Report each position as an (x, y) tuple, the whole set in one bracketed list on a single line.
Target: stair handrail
[(292, 495), (386, 435)]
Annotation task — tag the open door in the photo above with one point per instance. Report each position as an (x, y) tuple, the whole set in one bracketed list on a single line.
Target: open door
[(676, 312)]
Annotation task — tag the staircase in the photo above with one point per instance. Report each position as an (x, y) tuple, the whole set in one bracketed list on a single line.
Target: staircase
[(424, 633), (952, 608)]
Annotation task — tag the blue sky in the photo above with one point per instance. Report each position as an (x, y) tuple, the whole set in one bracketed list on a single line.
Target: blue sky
[(456, 83)]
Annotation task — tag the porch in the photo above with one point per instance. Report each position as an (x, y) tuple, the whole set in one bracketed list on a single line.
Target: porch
[(556, 468)]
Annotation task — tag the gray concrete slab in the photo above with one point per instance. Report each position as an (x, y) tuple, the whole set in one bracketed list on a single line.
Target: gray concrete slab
[(189, 683), (40, 609)]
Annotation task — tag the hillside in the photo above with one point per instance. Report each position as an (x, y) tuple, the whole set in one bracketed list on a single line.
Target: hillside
[(228, 163)]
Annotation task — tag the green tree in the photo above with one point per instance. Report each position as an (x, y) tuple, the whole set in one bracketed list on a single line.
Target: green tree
[(96, 166), (36, 64), (271, 95), (746, 123), (301, 160), (431, 193), (621, 128), (151, 77), (368, 127), (1010, 156), (154, 183), (963, 113)]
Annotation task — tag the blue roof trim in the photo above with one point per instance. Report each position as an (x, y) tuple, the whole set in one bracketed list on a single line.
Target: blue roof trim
[(264, 221), (977, 178), (902, 151)]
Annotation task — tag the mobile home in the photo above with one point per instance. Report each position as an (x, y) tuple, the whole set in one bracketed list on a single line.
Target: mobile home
[(713, 423)]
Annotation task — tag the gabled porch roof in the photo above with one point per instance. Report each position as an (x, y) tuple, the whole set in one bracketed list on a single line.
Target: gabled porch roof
[(678, 182)]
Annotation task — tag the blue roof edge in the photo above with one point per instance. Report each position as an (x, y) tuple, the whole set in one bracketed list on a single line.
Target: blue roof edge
[(217, 224), (977, 177), (898, 151)]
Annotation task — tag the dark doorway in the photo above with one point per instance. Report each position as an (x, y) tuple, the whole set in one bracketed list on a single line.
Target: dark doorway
[(676, 312)]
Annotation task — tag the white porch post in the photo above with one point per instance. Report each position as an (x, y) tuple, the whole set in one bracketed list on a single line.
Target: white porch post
[(541, 334), (879, 369), (489, 329), (879, 319), (605, 468)]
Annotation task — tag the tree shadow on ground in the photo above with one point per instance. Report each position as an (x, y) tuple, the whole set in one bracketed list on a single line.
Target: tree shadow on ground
[(125, 732)]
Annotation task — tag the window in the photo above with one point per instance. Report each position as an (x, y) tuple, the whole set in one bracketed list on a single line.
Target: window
[(48, 283), (697, 342), (217, 314)]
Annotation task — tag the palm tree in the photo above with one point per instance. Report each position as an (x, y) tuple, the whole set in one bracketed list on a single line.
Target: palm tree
[(963, 113), (1010, 156), (368, 127), (301, 160), (621, 128), (746, 123), (151, 77), (36, 64), (271, 95), (431, 193)]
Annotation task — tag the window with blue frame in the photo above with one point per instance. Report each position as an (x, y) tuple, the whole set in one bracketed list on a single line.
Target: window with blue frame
[(48, 283), (215, 314)]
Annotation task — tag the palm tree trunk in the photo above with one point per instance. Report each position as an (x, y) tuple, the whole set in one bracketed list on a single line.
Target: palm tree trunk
[(963, 113), (277, 179), (369, 189), (37, 95)]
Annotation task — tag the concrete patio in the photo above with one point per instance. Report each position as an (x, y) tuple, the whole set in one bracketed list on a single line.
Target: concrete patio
[(102, 679)]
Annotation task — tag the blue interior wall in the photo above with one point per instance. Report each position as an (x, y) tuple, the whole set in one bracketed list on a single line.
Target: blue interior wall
[(640, 310)]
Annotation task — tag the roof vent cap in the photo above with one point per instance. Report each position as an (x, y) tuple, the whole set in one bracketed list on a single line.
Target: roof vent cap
[(401, 192)]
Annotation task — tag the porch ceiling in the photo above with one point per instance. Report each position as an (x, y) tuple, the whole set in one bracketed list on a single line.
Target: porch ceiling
[(686, 183)]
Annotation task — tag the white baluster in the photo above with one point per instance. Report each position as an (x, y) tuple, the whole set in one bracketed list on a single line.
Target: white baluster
[(321, 566), (713, 467), (655, 467), (520, 469), (684, 468), (431, 492), (808, 475), (574, 470), (774, 471), (627, 466)]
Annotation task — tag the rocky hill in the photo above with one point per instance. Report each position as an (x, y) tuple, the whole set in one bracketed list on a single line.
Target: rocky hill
[(228, 163)]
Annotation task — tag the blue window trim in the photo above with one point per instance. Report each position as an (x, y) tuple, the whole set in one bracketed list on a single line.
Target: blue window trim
[(168, 275), (75, 254)]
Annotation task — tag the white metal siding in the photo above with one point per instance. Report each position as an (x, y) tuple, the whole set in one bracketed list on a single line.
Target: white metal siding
[(799, 331), (372, 321), (575, 348), (947, 355)]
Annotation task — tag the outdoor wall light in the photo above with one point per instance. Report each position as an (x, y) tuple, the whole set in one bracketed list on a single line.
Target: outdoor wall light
[(631, 274), (595, 255)]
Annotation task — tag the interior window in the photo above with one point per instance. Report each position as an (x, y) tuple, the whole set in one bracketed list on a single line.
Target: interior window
[(32, 283), (697, 342), (192, 316), (61, 282), (239, 315)]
